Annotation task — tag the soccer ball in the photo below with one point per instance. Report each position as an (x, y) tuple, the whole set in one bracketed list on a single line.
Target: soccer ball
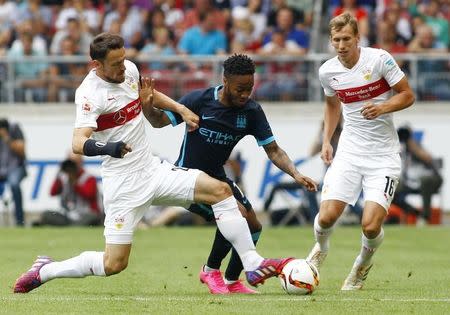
[(299, 277)]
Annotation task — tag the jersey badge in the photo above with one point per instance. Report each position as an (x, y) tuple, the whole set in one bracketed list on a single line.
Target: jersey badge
[(390, 62), (86, 107), (131, 83), (119, 222), (241, 121), (367, 74)]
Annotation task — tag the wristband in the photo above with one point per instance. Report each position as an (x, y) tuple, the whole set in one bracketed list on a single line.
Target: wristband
[(92, 148)]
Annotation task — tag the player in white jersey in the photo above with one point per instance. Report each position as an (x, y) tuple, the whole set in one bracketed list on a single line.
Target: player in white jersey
[(112, 104), (366, 86)]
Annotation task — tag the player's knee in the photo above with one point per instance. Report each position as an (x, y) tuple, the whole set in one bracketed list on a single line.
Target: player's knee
[(370, 229), (115, 266), (222, 191), (327, 220)]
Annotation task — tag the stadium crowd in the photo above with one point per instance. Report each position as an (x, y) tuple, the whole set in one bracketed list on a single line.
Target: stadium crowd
[(212, 27)]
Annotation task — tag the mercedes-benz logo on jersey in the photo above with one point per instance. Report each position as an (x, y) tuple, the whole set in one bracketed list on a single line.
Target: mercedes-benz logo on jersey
[(120, 117)]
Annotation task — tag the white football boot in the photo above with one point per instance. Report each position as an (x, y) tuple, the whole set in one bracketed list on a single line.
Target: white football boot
[(316, 256), (356, 277)]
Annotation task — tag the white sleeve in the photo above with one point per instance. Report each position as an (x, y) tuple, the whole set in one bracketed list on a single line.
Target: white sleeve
[(130, 66), (389, 68), (324, 81), (87, 110)]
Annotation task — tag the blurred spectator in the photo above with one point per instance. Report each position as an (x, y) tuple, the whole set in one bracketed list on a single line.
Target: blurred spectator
[(204, 7), (399, 18), (247, 28), (445, 10), (204, 39), (387, 39), (146, 6), (12, 164), (30, 77), (433, 73), (160, 45), (174, 15), (155, 20), (361, 16), (277, 5), (223, 5), (305, 9), (26, 26), (285, 24), (130, 21), (41, 17), (8, 12), (282, 80), (81, 10), (65, 77), (430, 12), (420, 174), (254, 13), (74, 31), (265, 5), (281, 45), (78, 195)]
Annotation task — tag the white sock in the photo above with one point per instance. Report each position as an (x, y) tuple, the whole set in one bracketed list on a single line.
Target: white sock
[(368, 248), (228, 282), (322, 235), (235, 229), (208, 269), (86, 264)]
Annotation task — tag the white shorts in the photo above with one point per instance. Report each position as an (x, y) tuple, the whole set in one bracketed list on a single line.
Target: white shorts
[(126, 198), (377, 176)]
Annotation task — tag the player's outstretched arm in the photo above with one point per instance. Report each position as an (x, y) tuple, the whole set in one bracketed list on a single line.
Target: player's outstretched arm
[(280, 158), (155, 116), (82, 144), (162, 101)]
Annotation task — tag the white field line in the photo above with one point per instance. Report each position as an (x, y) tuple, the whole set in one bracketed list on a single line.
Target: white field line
[(212, 299)]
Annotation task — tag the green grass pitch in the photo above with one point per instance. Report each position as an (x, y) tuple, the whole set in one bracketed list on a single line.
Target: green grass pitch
[(411, 274)]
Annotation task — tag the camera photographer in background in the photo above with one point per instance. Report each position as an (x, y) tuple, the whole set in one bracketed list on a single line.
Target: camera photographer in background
[(79, 198), (420, 174), (12, 164)]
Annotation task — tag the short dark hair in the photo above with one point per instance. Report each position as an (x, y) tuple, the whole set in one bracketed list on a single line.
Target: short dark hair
[(69, 166), (103, 43), (4, 123), (238, 65)]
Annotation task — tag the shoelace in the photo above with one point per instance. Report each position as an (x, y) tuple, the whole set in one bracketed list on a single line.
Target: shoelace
[(216, 276)]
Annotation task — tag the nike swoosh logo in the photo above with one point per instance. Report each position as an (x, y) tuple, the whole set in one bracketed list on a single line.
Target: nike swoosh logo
[(207, 117)]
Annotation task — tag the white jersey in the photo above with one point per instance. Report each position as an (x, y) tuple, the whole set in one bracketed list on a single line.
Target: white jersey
[(115, 112), (370, 79)]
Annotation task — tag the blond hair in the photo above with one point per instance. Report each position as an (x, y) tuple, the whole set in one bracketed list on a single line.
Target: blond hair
[(340, 21)]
